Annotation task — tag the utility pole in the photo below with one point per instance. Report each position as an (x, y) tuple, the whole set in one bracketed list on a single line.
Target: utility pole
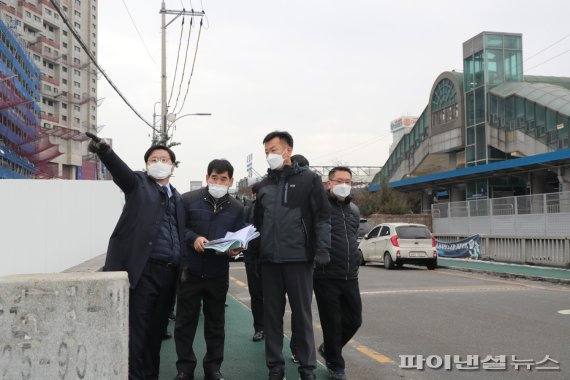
[(163, 138)]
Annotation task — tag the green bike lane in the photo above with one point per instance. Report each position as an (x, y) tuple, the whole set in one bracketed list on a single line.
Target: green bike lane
[(244, 359)]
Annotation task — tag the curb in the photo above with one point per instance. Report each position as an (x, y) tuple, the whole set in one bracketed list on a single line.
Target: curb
[(551, 280)]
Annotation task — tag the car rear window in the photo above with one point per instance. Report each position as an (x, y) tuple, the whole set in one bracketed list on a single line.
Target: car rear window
[(413, 232)]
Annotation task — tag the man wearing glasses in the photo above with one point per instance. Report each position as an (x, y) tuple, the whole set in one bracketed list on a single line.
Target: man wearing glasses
[(147, 244), (336, 284)]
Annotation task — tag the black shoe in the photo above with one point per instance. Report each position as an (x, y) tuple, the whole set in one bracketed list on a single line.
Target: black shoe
[(307, 376), (214, 376), (184, 376), (258, 336), (277, 375), (321, 351), (337, 374), (166, 336)]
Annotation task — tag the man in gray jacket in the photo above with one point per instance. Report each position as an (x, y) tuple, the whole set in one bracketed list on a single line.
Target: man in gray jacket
[(292, 213)]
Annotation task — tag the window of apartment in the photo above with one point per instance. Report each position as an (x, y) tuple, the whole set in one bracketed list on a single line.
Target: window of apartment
[(64, 69), (93, 108), (64, 81), (77, 2), (77, 13), (47, 87), (64, 9), (64, 106), (76, 84), (77, 61), (94, 8), (94, 26), (37, 58), (37, 18), (47, 125), (94, 17), (63, 117), (94, 35), (77, 72), (28, 14), (76, 119), (93, 90), (77, 49), (93, 117), (48, 11), (64, 44), (93, 80), (76, 96), (56, 16), (76, 108), (64, 32), (77, 25)]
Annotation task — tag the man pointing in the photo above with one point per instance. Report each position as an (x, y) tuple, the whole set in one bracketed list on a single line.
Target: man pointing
[(147, 244)]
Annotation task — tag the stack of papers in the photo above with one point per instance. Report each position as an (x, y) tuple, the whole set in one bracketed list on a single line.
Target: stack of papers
[(233, 240)]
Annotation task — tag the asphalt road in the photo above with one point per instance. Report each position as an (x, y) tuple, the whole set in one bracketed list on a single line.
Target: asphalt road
[(414, 311)]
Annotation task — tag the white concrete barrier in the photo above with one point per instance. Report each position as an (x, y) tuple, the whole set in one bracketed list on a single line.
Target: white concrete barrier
[(49, 226), (64, 326)]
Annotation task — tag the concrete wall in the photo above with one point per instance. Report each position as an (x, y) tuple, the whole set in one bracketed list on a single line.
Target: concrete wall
[(48, 226), (376, 219), (64, 326)]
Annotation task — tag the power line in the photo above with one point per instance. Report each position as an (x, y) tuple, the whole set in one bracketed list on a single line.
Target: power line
[(548, 47), (139, 33), (88, 52), (193, 65), (548, 60), (184, 66), (349, 149), (178, 57)]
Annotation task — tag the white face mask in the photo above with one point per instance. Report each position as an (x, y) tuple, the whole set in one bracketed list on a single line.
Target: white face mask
[(342, 190), (159, 170), (275, 161), (217, 191)]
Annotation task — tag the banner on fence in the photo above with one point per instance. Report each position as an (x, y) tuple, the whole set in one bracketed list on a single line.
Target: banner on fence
[(469, 247)]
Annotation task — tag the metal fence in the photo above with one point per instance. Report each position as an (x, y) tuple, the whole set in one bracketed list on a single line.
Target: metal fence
[(526, 229), (550, 203)]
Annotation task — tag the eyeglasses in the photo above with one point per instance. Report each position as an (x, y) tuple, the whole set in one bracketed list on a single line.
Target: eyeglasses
[(340, 181), (164, 160)]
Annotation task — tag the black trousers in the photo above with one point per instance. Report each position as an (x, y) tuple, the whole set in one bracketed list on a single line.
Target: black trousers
[(295, 280), (253, 271), (149, 304), (194, 291), (340, 312)]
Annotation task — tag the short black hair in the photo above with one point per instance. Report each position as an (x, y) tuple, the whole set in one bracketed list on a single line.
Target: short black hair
[(300, 160), (339, 169), (163, 147), (282, 135), (255, 187), (221, 166)]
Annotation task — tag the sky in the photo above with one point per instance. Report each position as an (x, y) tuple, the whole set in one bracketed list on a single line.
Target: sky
[(332, 73)]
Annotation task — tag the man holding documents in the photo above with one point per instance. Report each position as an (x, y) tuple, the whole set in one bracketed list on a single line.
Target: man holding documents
[(293, 214), (210, 214)]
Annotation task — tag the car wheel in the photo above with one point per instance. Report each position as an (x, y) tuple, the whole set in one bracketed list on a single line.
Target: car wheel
[(388, 262), (362, 262), (432, 265)]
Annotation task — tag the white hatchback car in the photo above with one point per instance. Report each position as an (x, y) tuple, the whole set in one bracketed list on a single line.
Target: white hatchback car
[(396, 244)]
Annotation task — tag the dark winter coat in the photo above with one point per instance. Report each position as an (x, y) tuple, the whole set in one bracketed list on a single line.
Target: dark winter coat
[(131, 242), (292, 214), (210, 218), (345, 259)]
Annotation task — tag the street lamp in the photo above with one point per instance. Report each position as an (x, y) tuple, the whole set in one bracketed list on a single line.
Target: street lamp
[(172, 117)]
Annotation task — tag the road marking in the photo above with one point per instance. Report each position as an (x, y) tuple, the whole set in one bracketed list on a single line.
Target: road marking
[(238, 282), (442, 290), (564, 312), (478, 277), (373, 354)]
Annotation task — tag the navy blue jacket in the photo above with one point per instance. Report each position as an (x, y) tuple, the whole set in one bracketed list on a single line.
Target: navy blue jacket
[(131, 242), (210, 218)]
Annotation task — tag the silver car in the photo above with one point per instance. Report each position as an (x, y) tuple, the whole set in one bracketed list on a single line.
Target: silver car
[(395, 244)]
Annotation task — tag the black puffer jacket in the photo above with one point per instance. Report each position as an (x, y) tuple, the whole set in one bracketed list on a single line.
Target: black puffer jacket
[(345, 259), (210, 218), (293, 216)]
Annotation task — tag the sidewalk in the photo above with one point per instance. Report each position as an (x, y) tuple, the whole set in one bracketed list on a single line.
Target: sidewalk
[(243, 358), (557, 275)]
